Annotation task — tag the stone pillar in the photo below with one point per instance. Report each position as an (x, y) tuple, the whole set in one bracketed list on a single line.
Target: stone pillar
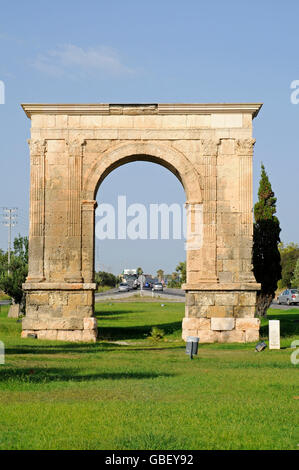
[(37, 210), (61, 306), (245, 153), (75, 155), (209, 156), (88, 242), (220, 305)]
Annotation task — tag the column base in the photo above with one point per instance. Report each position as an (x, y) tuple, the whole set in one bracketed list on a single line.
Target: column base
[(221, 315), (61, 329), (222, 330)]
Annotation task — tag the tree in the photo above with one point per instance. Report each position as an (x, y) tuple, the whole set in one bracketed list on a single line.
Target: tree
[(11, 283), (265, 254), (289, 254), (295, 279), (160, 274), (139, 271), (181, 270), (103, 279)]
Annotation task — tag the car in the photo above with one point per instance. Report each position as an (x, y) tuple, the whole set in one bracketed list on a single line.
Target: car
[(289, 297), (158, 286), (123, 287)]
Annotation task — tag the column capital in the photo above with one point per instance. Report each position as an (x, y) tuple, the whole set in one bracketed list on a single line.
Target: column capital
[(89, 205), (75, 146), (37, 146), (209, 146), (193, 203), (245, 146)]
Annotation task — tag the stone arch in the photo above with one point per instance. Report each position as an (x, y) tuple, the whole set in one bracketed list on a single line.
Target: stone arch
[(170, 158), (68, 164)]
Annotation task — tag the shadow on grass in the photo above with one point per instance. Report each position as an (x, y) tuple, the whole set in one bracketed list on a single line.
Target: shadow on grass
[(289, 324), (46, 375), (113, 313), (82, 348), (136, 332)]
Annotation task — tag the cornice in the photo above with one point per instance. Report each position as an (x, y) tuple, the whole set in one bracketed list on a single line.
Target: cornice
[(137, 109), (210, 108)]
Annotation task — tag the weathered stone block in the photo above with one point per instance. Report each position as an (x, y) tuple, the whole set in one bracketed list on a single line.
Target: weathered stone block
[(67, 335), (72, 323), (47, 310), (208, 336), (204, 324), (190, 300), (247, 299), (196, 323), (50, 335), (228, 298), (252, 335), (85, 311), (58, 298), (196, 311), (34, 324), (14, 311), (220, 324), (220, 311), (89, 335), (247, 323), (77, 299), (90, 323), (37, 299), (204, 298), (233, 336), (225, 276), (244, 312)]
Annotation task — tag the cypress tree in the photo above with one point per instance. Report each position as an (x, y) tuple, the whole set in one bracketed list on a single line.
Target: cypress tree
[(265, 254)]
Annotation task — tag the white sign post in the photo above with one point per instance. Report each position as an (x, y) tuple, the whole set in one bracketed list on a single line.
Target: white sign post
[(274, 334)]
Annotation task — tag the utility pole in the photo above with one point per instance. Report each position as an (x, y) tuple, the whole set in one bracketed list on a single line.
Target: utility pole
[(10, 215)]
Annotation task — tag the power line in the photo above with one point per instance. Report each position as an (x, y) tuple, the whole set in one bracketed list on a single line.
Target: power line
[(10, 220)]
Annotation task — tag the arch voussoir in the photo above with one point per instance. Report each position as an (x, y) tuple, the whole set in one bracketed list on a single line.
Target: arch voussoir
[(174, 160)]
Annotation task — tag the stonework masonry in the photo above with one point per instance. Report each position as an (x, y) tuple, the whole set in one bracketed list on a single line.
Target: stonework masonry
[(73, 147)]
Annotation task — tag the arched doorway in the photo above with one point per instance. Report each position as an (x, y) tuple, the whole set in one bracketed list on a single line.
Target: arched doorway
[(140, 222), (208, 147)]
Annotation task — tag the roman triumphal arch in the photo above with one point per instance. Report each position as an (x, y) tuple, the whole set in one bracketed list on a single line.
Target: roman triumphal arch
[(209, 147)]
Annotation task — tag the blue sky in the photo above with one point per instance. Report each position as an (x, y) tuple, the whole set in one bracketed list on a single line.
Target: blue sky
[(151, 51)]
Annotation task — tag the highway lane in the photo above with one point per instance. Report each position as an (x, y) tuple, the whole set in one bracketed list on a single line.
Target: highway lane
[(166, 293)]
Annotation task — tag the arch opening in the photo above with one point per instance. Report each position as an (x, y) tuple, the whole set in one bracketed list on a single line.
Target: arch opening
[(153, 218)]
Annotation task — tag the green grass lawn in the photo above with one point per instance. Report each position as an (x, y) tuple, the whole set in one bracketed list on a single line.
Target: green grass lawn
[(146, 394)]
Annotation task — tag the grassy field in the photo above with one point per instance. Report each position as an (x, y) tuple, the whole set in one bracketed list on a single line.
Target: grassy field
[(130, 391)]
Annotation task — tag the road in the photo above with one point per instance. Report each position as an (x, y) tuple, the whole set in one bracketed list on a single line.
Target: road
[(282, 306), (174, 294)]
